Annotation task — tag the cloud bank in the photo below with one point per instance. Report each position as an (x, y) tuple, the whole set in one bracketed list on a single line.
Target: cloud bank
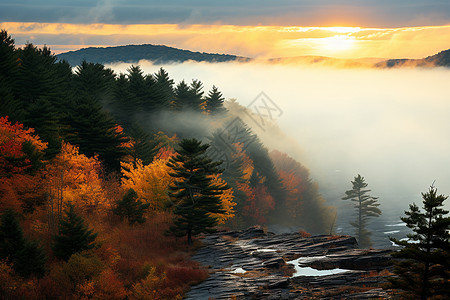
[(390, 126)]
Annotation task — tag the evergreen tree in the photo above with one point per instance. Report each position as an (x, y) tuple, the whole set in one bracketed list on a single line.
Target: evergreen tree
[(182, 95), (94, 131), (196, 99), (43, 90), (73, 235), (366, 207), (165, 85), (145, 146), (44, 118), (188, 97), (123, 105), (26, 256), (423, 270), (93, 80), (137, 88), (131, 208), (193, 192), (9, 106), (214, 102)]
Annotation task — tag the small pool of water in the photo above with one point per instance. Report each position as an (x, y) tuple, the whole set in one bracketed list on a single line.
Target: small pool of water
[(238, 271), (301, 270)]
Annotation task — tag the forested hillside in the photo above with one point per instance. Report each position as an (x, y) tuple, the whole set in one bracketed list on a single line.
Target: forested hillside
[(441, 59), (158, 54), (103, 155)]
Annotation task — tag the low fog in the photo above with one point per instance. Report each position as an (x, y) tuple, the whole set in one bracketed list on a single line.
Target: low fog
[(391, 126)]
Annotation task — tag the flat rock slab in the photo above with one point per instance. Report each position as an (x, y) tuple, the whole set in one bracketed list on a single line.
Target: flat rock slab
[(252, 264)]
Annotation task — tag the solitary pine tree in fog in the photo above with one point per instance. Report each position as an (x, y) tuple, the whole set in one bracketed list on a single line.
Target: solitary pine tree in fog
[(366, 207), (195, 195), (424, 266)]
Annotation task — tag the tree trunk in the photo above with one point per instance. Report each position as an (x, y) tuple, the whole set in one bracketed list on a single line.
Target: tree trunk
[(359, 220), (189, 237)]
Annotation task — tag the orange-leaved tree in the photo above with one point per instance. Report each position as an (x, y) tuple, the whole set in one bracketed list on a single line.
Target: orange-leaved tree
[(20, 156)]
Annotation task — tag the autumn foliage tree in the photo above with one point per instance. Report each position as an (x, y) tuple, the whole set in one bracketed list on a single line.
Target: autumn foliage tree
[(73, 177), (21, 152), (305, 207), (151, 182)]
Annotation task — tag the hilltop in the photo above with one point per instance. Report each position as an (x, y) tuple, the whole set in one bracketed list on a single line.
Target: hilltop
[(160, 54), (134, 53), (442, 59)]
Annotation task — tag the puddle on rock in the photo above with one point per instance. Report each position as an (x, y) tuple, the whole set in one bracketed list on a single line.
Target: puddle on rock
[(238, 271), (300, 270)]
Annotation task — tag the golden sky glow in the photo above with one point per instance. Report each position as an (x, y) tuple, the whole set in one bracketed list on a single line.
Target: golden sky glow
[(251, 41)]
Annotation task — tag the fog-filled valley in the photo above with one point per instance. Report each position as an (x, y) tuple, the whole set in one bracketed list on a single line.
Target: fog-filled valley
[(389, 125)]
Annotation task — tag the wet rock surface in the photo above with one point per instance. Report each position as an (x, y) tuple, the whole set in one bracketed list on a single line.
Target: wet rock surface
[(253, 264)]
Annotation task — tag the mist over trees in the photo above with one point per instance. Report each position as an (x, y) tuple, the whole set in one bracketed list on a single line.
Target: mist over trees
[(75, 143)]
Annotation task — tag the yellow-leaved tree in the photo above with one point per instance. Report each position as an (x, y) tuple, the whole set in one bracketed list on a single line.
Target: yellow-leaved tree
[(150, 181), (227, 201), (74, 177)]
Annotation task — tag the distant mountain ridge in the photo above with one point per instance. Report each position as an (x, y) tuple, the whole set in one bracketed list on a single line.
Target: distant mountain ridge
[(160, 54), (134, 53), (442, 59)]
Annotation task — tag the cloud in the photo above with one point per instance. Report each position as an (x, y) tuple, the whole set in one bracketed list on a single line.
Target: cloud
[(250, 41), (367, 13)]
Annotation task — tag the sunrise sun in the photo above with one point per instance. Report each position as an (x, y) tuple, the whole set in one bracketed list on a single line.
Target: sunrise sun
[(336, 43)]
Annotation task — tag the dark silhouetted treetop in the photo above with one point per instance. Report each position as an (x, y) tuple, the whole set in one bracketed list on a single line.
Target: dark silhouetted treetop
[(193, 192), (188, 97), (95, 132), (9, 68), (423, 268), (94, 81), (214, 102), (165, 85)]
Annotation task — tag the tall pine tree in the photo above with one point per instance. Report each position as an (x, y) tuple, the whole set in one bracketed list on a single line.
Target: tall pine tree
[(73, 236), (194, 194), (423, 268), (366, 206), (214, 102)]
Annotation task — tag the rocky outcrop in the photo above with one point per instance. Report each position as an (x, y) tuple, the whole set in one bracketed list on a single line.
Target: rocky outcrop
[(253, 264)]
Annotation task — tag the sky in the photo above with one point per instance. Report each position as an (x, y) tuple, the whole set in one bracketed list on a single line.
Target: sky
[(256, 28)]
